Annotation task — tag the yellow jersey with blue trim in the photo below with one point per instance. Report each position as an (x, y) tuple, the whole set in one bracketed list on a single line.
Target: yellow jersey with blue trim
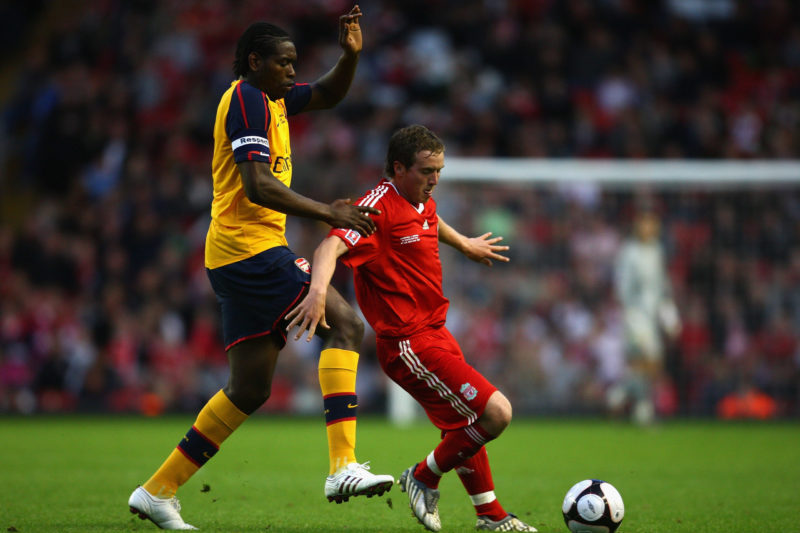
[(249, 127)]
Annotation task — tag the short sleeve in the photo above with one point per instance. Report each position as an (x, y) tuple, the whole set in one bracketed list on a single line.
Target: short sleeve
[(247, 124), (297, 98), (361, 249)]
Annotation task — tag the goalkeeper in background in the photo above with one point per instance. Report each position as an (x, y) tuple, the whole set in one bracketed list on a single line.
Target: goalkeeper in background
[(649, 314)]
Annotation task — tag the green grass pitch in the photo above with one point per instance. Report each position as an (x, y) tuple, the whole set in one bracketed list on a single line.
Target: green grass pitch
[(74, 474)]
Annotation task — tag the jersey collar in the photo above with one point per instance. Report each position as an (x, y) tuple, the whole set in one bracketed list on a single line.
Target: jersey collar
[(419, 207)]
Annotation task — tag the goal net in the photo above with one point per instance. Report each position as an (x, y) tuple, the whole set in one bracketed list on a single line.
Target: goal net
[(557, 329)]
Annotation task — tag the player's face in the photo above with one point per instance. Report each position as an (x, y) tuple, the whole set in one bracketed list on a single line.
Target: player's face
[(416, 183), (274, 74), (647, 228)]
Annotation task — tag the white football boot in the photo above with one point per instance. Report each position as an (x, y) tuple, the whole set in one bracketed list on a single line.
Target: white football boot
[(163, 512), (509, 523), (355, 479), (424, 501)]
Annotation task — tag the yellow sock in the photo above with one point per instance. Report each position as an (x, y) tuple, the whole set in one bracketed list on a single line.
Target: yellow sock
[(337, 379), (215, 422)]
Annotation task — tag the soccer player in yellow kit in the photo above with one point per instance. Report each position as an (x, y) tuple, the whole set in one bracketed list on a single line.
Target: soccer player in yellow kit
[(257, 278)]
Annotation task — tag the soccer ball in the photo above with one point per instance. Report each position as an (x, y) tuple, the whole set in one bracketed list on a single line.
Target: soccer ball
[(593, 506)]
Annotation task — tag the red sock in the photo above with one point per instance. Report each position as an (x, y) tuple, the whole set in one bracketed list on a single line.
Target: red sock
[(426, 475), (456, 447), (476, 476)]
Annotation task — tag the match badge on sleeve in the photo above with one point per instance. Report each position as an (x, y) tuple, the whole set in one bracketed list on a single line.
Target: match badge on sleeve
[(303, 264), (352, 237)]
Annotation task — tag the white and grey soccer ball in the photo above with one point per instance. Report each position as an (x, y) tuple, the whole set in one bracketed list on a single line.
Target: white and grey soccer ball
[(593, 506)]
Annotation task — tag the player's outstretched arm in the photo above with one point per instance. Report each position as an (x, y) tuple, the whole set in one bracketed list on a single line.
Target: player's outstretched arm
[(480, 249), (264, 189), (310, 312), (332, 87)]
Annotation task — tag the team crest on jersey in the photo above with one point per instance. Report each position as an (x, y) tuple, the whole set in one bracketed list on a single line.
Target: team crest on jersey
[(303, 265), (469, 391)]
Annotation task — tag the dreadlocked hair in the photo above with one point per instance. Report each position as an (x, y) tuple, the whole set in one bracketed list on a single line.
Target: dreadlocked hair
[(260, 37)]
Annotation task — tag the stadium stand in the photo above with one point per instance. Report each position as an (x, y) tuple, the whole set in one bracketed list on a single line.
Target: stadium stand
[(105, 140)]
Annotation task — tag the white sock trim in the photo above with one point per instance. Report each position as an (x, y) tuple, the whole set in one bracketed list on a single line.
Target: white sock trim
[(482, 498), (431, 461)]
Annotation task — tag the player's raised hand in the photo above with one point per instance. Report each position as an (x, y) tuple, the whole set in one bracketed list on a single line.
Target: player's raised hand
[(485, 248), (356, 217), (307, 315), (350, 31)]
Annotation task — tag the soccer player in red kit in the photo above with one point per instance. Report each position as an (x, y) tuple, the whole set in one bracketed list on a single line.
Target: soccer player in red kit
[(398, 281)]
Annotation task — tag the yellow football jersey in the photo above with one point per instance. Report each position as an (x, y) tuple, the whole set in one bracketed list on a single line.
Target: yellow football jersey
[(249, 127)]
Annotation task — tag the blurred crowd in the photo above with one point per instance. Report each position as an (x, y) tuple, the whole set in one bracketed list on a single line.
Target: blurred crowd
[(550, 326), (106, 113)]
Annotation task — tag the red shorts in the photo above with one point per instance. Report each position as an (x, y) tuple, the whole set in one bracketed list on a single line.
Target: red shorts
[(432, 369)]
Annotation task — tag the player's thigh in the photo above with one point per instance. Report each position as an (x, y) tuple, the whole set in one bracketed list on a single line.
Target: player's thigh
[(433, 370), (256, 293), (252, 362), (642, 336)]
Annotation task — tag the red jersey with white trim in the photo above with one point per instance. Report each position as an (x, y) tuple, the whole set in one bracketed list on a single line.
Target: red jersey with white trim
[(397, 270)]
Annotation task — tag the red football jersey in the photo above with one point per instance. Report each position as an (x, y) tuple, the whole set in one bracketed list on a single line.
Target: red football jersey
[(397, 271)]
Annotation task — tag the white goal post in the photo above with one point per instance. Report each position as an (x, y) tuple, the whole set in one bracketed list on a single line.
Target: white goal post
[(625, 173)]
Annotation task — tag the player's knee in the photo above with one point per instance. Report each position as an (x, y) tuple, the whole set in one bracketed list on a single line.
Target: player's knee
[(504, 411), (349, 330), (247, 398), (497, 414)]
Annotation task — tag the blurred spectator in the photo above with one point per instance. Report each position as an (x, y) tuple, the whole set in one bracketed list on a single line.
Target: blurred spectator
[(747, 403)]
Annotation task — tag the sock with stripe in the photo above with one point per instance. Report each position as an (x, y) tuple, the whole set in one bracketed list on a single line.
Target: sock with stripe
[(337, 380), (455, 448), (476, 476), (215, 422)]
